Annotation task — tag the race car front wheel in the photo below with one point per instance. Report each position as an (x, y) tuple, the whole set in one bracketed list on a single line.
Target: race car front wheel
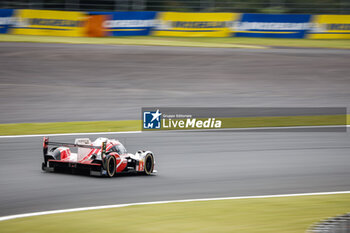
[(149, 164), (111, 166)]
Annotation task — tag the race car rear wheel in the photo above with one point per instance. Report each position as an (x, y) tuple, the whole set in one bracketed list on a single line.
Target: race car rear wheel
[(149, 164), (111, 166)]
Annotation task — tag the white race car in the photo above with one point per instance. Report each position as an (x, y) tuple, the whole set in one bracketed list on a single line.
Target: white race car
[(102, 157)]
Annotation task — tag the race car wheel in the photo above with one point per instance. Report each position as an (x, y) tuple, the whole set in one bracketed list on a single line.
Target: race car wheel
[(149, 164), (111, 166)]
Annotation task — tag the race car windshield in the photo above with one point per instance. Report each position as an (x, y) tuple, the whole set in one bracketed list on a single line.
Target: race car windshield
[(120, 149)]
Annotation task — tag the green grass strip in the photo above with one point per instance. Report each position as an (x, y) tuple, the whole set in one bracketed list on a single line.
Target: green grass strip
[(136, 125), (69, 127), (308, 43), (284, 121), (227, 42), (131, 40), (270, 215)]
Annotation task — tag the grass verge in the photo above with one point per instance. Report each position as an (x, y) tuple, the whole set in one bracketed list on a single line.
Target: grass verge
[(270, 215), (285, 121), (135, 125), (227, 42), (142, 40), (69, 127)]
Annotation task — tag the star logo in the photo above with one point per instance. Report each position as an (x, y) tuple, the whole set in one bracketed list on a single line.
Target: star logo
[(156, 115), (152, 120)]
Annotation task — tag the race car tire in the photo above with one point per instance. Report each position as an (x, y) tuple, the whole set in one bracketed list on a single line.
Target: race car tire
[(110, 166), (149, 164)]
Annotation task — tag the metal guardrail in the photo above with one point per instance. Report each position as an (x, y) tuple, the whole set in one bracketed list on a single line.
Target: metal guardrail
[(248, 6), (338, 224)]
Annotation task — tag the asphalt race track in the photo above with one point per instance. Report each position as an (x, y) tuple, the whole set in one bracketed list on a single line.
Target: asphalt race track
[(58, 82), (190, 165), (62, 82)]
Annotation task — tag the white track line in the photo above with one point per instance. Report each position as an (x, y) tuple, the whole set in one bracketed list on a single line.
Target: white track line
[(9, 217), (189, 130)]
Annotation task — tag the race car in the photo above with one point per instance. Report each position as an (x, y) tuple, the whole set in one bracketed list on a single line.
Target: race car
[(102, 157)]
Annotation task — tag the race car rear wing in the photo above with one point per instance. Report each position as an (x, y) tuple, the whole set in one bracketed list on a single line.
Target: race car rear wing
[(46, 143), (72, 145)]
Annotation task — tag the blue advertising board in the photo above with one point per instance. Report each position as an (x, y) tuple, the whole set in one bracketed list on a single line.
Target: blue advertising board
[(6, 20), (272, 25), (129, 23)]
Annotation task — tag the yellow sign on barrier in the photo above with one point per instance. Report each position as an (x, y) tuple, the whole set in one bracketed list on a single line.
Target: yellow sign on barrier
[(49, 23), (330, 27), (195, 24)]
